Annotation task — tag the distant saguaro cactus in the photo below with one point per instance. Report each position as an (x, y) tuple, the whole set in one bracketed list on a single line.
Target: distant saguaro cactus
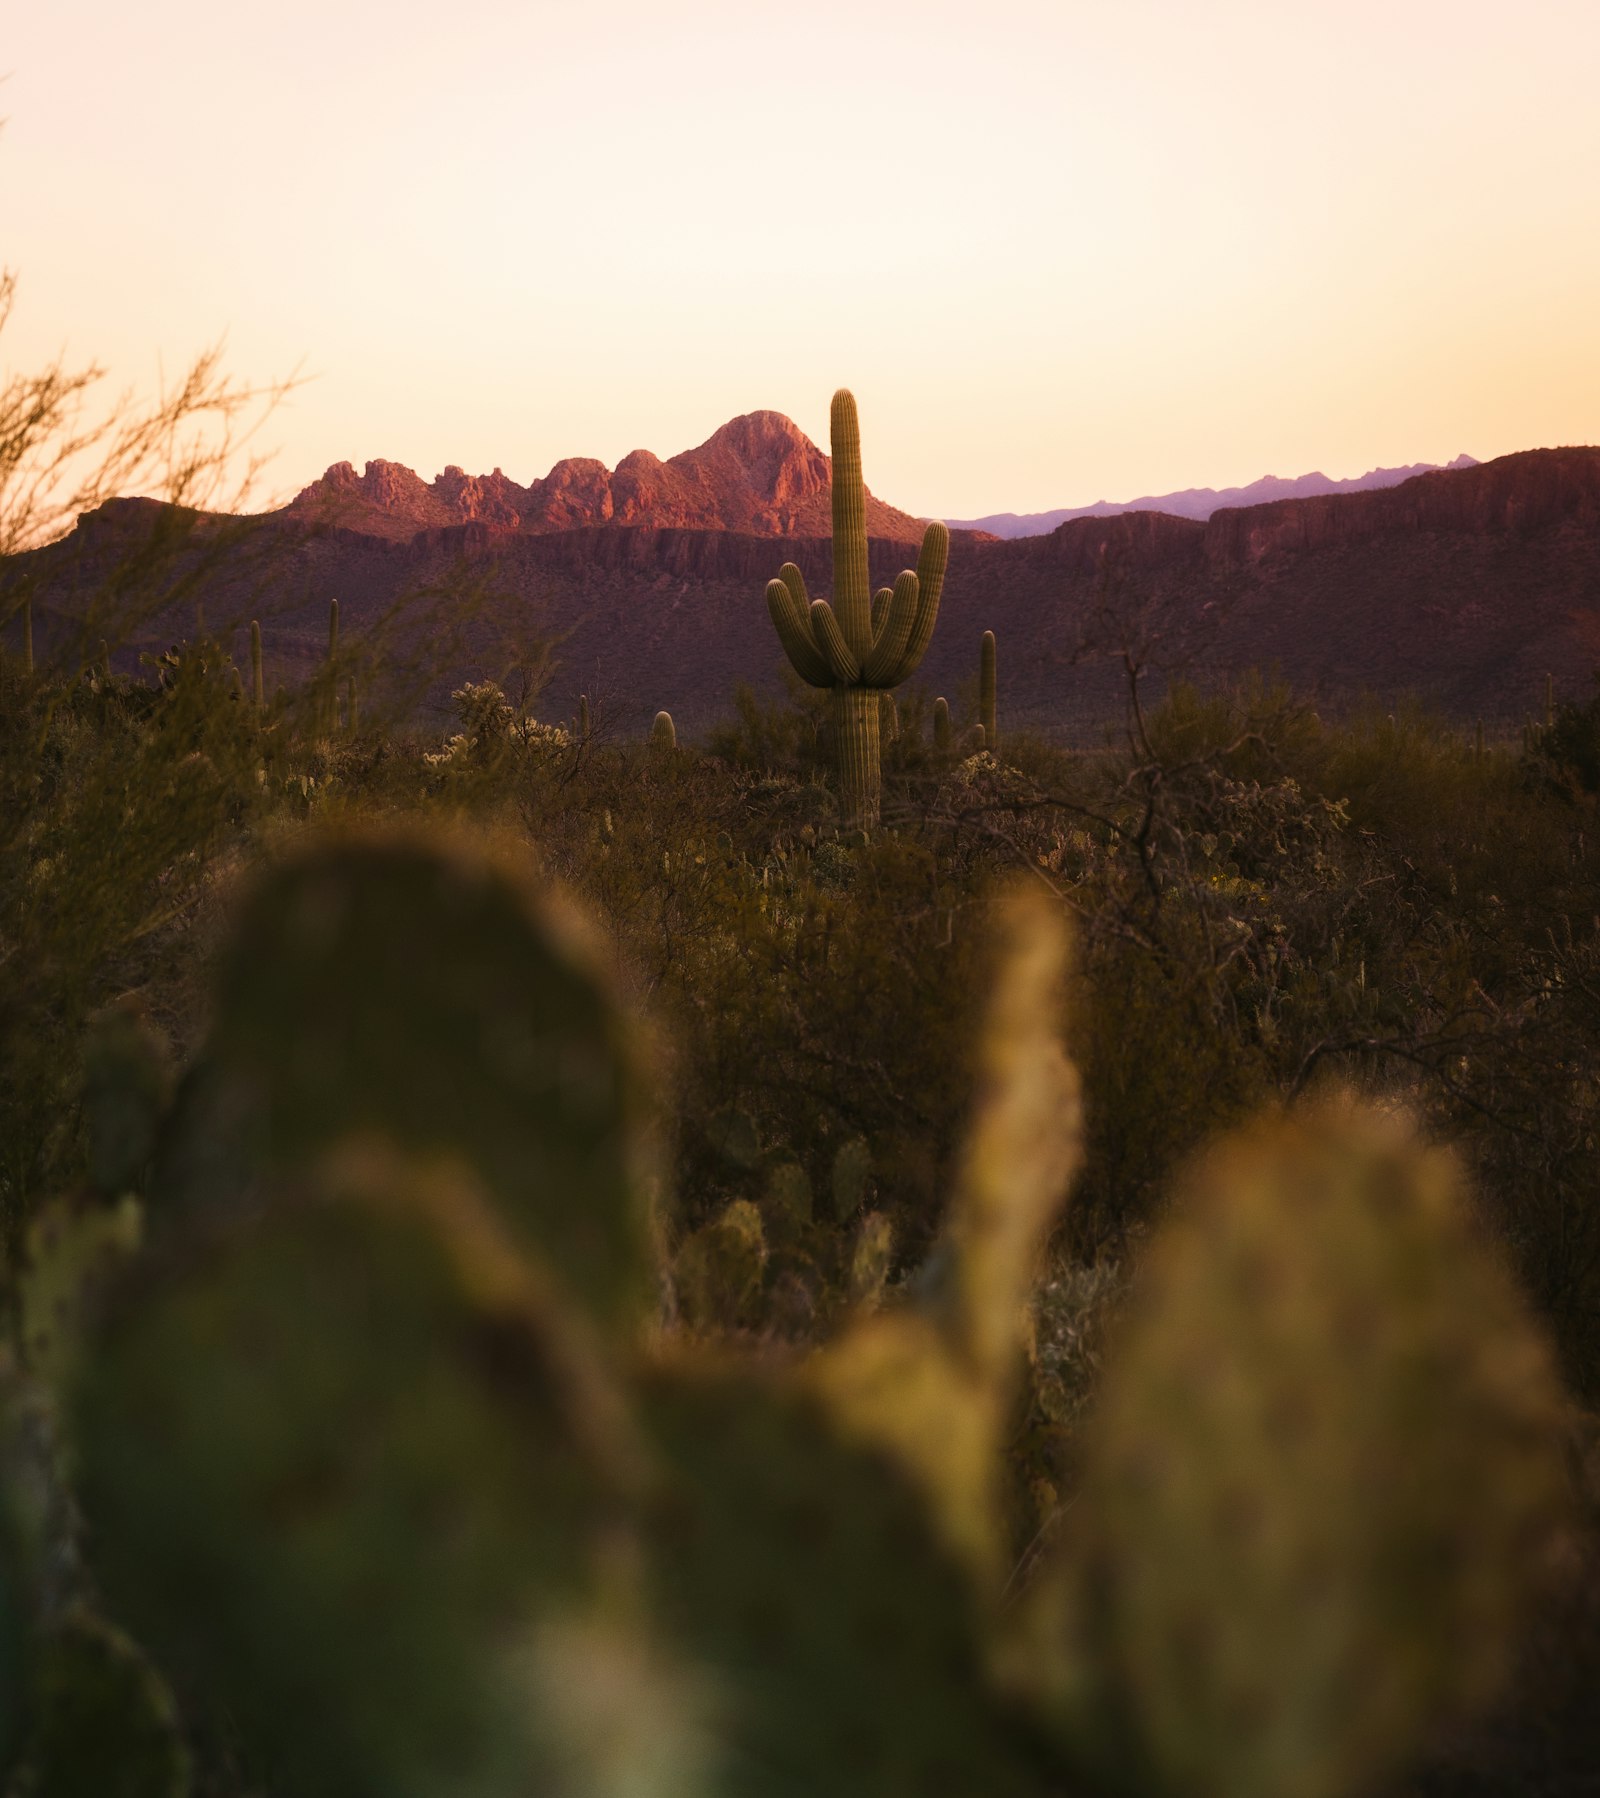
[(330, 709), (941, 726), (585, 721), (663, 733), (862, 644), (257, 687), (986, 691)]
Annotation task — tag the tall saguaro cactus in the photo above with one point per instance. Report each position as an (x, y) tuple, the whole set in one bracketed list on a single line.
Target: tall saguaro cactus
[(257, 684), (863, 644)]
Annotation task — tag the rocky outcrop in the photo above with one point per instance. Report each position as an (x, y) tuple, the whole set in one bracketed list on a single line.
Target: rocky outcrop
[(759, 473)]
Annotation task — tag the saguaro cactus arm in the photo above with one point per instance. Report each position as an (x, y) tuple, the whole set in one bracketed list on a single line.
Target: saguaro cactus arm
[(831, 636), (852, 590), (900, 617), (791, 620), (931, 565)]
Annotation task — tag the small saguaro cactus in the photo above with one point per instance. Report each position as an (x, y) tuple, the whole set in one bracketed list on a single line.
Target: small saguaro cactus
[(986, 691), (941, 726), (585, 721), (862, 644), (330, 704), (663, 733), (257, 690)]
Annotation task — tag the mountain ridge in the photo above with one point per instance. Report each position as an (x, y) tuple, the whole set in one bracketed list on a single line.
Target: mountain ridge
[(759, 472), (1460, 587), (1199, 503)]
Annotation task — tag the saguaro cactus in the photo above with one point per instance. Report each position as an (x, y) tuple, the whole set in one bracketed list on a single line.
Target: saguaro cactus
[(257, 690), (663, 733), (862, 644), (941, 726), (986, 691)]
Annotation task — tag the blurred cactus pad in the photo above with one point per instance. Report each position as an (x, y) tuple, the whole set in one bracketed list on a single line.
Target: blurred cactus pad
[(436, 1372)]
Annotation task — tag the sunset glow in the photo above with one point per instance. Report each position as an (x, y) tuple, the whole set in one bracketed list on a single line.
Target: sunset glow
[(1060, 251)]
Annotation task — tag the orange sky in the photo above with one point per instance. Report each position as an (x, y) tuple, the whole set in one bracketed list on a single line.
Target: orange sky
[(1061, 251)]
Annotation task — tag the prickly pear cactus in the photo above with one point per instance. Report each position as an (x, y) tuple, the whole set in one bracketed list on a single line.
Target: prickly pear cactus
[(102, 1721), (425, 994), (342, 1464), (718, 1269), (932, 1387), (1322, 1476), (127, 1085), (799, 1571), (15, 1644)]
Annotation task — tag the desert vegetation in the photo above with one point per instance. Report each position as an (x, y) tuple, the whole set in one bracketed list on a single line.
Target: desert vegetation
[(871, 1252)]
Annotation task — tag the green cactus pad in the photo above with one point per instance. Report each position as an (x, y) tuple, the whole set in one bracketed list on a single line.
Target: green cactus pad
[(1323, 1475), (127, 1083), (424, 993), (719, 1268), (803, 1576), (103, 1722), (341, 1467)]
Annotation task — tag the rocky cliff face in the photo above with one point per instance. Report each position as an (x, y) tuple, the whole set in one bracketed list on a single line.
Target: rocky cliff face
[(759, 473)]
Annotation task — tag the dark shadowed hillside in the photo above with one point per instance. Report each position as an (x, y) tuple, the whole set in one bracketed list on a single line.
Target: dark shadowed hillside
[(1461, 586)]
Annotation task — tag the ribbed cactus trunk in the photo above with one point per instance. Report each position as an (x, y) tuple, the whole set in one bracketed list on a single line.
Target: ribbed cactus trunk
[(986, 686), (857, 648), (330, 722), (855, 714), (852, 585)]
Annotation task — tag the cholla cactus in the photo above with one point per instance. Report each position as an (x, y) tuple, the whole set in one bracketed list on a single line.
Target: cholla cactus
[(862, 644)]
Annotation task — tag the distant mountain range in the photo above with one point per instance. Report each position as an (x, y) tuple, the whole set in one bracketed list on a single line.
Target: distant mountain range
[(759, 473), (1201, 502), (1462, 586)]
